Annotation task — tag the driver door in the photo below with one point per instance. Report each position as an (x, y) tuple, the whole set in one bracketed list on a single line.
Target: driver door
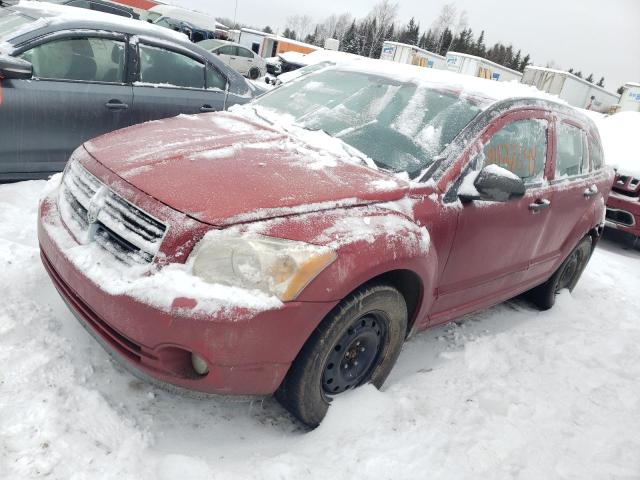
[(496, 244)]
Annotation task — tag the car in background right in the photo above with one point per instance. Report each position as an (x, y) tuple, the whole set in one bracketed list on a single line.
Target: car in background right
[(619, 135), (241, 59)]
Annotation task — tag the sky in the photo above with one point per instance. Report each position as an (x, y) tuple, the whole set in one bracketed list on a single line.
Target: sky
[(593, 36)]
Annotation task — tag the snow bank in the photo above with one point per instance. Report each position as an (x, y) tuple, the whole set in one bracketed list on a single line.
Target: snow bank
[(619, 135), (505, 393)]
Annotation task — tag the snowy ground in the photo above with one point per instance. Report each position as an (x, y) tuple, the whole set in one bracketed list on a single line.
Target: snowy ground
[(506, 393)]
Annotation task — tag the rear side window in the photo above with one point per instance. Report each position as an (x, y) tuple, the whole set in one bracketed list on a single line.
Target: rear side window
[(227, 50), (521, 148), (215, 79), (84, 59), (243, 52), (164, 67), (595, 149), (571, 158)]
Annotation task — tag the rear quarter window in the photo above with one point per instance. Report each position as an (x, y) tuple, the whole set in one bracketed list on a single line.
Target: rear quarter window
[(571, 157), (595, 150)]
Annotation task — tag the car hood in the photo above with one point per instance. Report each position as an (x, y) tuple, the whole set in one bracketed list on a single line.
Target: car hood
[(223, 168)]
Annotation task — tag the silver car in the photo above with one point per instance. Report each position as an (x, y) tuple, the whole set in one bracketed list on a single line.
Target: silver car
[(241, 59)]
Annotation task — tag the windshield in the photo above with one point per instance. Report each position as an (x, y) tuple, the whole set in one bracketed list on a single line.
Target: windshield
[(402, 127), (10, 22)]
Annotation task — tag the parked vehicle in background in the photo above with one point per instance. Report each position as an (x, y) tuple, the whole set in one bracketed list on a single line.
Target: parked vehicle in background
[(241, 59), (574, 90), (480, 67), (620, 137), (99, 6), (163, 14), (292, 245), (193, 33), (404, 53), (77, 74)]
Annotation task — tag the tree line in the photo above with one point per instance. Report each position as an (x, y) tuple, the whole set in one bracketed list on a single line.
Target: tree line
[(449, 31)]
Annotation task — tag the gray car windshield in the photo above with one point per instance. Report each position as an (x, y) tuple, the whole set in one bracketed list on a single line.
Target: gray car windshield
[(402, 127), (11, 23)]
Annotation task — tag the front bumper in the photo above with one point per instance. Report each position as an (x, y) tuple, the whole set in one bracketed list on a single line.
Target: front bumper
[(623, 213), (247, 352)]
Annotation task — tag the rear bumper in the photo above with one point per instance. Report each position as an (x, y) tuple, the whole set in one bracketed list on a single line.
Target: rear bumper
[(623, 213), (247, 352)]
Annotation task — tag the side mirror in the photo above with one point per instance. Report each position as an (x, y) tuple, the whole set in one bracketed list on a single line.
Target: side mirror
[(15, 68), (493, 183)]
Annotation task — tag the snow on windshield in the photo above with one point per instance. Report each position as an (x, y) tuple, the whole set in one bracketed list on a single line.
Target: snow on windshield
[(401, 126)]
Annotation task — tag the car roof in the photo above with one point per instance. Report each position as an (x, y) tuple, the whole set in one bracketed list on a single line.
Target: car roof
[(53, 17)]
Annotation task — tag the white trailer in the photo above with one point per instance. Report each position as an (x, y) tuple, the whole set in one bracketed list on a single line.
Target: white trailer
[(252, 39), (404, 53), (630, 98), (574, 90), (480, 67)]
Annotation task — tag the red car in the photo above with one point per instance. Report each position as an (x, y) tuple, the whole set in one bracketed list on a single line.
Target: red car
[(292, 246)]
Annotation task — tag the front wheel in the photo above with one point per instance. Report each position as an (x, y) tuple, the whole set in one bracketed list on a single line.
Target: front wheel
[(567, 275), (358, 343)]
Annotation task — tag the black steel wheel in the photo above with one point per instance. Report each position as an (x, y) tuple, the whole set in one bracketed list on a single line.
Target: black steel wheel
[(354, 354), (566, 276), (357, 343), (254, 73)]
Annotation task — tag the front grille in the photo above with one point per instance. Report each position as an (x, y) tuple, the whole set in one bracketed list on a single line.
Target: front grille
[(621, 217), (97, 214)]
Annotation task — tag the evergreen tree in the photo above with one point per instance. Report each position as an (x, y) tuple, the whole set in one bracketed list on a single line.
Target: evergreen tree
[(410, 34), (288, 33), (447, 39), (267, 29), (571, 70), (525, 61), (601, 82), (480, 49), (515, 63), (620, 90), (578, 74), (589, 78), (349, 43)]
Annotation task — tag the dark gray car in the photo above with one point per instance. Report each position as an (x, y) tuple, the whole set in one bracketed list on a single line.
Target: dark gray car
[(68, 75)]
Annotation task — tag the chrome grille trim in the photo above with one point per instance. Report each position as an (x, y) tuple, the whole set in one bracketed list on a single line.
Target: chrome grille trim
[(95, 213)]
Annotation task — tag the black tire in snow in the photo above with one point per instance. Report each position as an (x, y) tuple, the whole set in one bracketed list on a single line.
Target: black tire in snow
[(369, 325)]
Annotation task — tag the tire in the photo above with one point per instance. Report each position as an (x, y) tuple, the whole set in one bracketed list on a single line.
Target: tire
[(254, 73), (566, 276), (364, 334)]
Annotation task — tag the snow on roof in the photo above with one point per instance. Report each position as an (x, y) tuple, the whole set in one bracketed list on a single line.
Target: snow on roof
[(484, 60), (632, 84), (568, 74), (490, 89), (278, 38), (50, 13), (255, 32), (619, 135), (391, 42), (187, 15)]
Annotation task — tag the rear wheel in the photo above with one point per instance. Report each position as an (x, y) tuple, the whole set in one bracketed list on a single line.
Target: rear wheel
[(358, 343), (254, 73), (567, 275)]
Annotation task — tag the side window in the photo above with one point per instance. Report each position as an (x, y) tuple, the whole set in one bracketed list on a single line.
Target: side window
[(596, 154), (164, 67), (85, 59), (215, 79), (227, 50), (570, 157), (520, 147), (243, 52)]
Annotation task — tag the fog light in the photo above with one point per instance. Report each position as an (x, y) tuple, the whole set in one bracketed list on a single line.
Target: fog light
[(199, 364)]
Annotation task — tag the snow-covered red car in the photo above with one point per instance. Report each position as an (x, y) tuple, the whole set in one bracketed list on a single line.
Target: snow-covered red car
[(292, 245), (619, 134)]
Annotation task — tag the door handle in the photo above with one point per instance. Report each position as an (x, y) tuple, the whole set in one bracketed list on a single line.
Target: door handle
[(116, 105), (208, 108), (538, 205), (590, 192)]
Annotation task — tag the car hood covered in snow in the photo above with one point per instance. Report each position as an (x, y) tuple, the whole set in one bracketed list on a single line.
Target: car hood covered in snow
[(223, 168)]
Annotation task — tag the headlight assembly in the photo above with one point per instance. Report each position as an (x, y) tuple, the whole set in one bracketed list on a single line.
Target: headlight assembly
[(276, 266)]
